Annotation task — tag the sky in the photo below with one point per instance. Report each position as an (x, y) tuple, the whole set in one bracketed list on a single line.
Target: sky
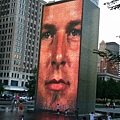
[(109, 24)]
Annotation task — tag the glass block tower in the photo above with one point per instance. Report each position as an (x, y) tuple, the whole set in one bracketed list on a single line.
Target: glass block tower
[(95, 2)]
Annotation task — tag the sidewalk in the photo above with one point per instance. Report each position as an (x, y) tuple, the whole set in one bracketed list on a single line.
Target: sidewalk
[(115, 113), (108, 110)]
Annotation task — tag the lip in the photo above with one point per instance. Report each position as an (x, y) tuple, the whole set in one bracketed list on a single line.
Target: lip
[(57, 85)]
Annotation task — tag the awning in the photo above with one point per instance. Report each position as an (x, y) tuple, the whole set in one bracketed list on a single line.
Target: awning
[(15, 88)]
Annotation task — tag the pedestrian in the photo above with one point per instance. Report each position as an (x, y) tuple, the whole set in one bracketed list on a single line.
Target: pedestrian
[(108, 105), (108, 116), (76, 113), (58, 108), (92, 115), (20, 106), (23, 117), (113, 105), (83, 118), (12, 105), (66, 111), (15, 103)]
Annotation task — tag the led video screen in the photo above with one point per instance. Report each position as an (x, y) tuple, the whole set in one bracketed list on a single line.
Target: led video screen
[(59, 55)]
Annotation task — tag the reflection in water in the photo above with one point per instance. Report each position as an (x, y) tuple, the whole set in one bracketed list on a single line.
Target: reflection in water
[(32, 115), (51, 116)]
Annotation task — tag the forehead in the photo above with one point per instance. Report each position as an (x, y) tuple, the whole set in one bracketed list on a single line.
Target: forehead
[(71, 10)]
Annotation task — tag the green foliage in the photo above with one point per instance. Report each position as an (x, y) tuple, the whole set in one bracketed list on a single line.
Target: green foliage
[(31, 85), (109, 55), (109, 89), (101, 88)]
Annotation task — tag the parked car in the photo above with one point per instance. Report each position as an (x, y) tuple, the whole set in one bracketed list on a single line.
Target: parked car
[(7, 96), (23, 97)]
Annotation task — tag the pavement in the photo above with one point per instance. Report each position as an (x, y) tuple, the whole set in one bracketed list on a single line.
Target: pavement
[(30, 114), (115, 113)]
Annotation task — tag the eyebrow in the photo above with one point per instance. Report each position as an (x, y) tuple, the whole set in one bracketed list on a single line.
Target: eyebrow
[(72, 24), (51, 28)]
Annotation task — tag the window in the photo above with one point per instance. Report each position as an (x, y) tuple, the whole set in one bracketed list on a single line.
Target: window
[(22, 84), (14, 83), (5, 82)]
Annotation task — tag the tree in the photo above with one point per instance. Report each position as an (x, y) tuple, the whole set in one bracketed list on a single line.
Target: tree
[(113, 5), (31, 84), (118, 90), (101, 88), (112, 87), (109, 55), (111, 90)]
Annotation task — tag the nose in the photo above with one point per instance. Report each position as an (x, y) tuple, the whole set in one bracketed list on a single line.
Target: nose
[(59, 51)]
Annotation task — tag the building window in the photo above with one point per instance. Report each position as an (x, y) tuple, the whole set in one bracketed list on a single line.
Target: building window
[(14, 83), (22, 84), (5, 82)]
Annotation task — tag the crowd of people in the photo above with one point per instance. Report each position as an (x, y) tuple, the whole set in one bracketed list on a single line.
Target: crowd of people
[(76, 113), (110, 104), (16, 104)]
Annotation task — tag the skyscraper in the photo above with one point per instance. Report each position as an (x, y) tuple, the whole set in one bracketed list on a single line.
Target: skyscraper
[(19, 41)]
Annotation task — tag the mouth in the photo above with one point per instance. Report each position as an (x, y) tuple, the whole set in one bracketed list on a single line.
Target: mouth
[(57, 85)]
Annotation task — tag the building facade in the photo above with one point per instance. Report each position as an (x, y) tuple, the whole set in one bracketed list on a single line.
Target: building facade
[(103, 65), (19, 41)]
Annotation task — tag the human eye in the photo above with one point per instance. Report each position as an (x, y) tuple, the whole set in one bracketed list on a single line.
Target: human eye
[(46, 35), (73, 34)]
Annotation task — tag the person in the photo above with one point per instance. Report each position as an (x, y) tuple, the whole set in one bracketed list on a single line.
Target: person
[(59, 55), (12, 105), (113, 105), (58, 108), (92, 115), (23, 117), (15, 103), (108, 116), (76, 113), (66, 111), (20, 106), (108, 105), (83, 118)]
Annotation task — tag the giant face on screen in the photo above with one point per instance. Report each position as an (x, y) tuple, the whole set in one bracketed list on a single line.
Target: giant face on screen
[(59, 55)]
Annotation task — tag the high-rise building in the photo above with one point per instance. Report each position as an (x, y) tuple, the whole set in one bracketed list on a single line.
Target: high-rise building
[(19, 41)]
